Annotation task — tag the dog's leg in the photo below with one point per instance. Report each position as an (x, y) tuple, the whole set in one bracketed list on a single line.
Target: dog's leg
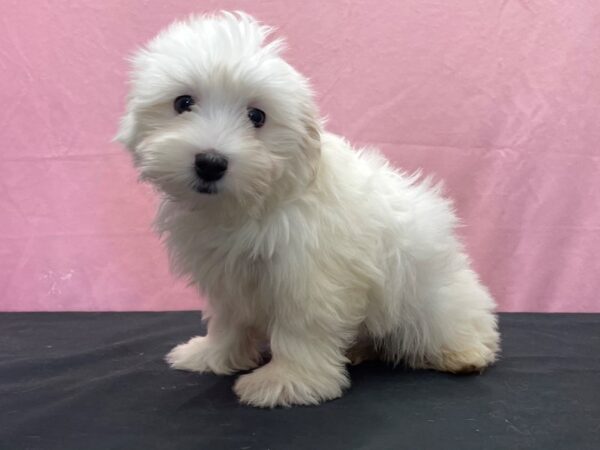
[(302, 371), (460, 327), (307, 366), (225, 349)]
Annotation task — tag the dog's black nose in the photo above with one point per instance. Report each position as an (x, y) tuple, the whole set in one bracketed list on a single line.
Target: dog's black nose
[(210, 166)]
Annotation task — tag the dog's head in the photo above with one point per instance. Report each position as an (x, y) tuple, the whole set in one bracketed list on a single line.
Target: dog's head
[(216, 116)]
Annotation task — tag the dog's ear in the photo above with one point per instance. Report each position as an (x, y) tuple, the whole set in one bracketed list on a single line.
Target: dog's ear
[(311, 142), (128, 132)]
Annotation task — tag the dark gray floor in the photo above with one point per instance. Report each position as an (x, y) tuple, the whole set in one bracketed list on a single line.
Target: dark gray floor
[(97, 381)]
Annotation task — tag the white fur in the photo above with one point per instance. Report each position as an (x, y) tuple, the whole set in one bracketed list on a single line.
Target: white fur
[(309, 245)]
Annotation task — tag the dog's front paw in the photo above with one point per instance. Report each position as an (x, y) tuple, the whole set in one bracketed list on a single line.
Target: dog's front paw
[(277, 385), (196, 355), (200, 355)]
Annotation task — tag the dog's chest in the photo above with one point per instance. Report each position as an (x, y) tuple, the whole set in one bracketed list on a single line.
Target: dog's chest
[(225, 263)]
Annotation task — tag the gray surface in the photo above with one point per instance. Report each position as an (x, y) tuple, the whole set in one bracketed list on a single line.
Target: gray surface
[(97, 381)]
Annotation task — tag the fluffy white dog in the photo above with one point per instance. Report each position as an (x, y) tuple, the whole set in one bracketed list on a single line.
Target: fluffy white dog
[(297, 240)]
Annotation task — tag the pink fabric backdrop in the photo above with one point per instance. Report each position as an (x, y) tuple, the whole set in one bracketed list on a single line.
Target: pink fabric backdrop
[(499, 98)]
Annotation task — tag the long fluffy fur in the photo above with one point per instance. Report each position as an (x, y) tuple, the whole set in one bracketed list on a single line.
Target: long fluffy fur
[(324, 252)]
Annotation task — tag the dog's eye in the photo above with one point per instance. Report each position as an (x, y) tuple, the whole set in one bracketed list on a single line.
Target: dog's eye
[(257, 117), (183, 103)]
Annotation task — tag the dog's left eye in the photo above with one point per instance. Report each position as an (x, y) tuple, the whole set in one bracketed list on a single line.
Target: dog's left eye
[(257, 117), (183, 103)]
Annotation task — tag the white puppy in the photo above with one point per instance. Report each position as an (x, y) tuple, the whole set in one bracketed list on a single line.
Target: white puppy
[(297, 240)]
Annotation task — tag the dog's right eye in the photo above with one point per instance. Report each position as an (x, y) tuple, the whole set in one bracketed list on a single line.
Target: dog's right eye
[(183, 103)]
